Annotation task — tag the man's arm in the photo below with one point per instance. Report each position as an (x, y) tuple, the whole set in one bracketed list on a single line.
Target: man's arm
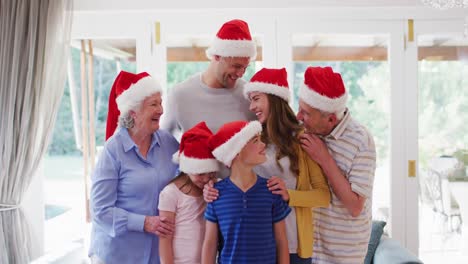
[(318, 151), (168, 119), (166, 252), (282, 249), (210, 243)]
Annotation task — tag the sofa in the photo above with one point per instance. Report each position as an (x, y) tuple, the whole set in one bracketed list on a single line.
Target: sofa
[(385, 250)]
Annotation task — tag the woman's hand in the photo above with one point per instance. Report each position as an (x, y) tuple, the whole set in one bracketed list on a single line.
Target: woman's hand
[(160, 226), (277, 186), (210, 193)]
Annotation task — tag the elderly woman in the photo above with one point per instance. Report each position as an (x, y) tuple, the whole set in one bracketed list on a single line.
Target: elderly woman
[(133, 168)]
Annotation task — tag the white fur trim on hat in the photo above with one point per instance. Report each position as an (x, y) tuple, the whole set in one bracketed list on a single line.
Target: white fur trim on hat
[(323, 103), (268, 88), (229, 149), (232, 48), (197, 166), (136, 93)]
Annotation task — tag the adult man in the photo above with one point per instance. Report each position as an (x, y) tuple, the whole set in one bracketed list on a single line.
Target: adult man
[(215, 96), (346, 152)]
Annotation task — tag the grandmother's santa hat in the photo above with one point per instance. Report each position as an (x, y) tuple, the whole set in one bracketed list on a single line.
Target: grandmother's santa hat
[(270, 81), (194, 155), (127, 92), (233, 40), (323, 89), (231, 138)]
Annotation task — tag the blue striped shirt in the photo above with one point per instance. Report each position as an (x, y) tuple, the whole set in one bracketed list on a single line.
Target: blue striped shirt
[(246, 220)]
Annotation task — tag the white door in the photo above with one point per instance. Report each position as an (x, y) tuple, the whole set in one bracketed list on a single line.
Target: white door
[(439, 69)]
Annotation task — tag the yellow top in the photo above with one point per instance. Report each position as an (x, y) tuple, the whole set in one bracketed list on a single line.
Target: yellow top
[(311, 191)]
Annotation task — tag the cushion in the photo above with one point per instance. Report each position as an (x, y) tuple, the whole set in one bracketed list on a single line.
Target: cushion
[(390, 251), (376, 234)]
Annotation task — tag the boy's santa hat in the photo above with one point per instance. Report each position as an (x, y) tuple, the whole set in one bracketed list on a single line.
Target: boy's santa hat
[(233, 40), (270, 81), (194, 155), (231, 138), (323, 89), (126, 94)]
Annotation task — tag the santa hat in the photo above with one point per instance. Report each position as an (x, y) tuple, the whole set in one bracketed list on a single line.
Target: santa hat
[(231, 138), (194, 155), (127, 92), (270, 81), (323, 89), (233, 40)]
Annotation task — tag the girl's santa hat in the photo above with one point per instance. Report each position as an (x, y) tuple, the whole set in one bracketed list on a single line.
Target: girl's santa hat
[(323, 89), (194, 155), (127, 92), (270, 81), (231, 138), (233, 40)]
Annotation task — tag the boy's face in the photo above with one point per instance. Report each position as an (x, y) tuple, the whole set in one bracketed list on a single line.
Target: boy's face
[(253, 153)]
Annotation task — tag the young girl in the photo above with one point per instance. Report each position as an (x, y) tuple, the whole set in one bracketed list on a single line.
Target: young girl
[(181, 201), (249, 217), (306, 185)]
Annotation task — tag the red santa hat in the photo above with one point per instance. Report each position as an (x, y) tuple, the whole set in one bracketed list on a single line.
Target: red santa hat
[(233, 40), (194, 155), (127, 92), (323, 89), (231, 138), (270, 81)]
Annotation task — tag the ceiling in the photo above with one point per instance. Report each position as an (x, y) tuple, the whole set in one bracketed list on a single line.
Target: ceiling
[(93, 5)]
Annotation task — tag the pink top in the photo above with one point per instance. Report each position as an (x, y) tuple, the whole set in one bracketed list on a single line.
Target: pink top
[(189, 223)]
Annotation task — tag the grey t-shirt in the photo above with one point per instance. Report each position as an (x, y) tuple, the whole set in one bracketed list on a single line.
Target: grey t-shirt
[(192, 101)]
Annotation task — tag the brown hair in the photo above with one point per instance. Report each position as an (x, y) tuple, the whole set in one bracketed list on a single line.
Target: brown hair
[(281, 129), (187, 184)]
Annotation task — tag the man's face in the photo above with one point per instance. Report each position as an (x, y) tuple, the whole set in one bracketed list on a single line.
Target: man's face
[(229, 69), (315, 122)]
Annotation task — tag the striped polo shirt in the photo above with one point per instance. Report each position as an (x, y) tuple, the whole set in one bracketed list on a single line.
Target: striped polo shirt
[(339, 237), (246, 220)]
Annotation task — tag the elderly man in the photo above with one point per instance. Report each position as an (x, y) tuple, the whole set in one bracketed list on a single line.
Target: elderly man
[(215, 96), (346, 152)]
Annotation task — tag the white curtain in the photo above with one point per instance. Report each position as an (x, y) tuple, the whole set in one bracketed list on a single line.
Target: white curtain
[(34, 49)]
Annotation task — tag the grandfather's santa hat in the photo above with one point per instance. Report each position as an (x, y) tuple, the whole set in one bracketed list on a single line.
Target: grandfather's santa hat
[(127, 92), (323, 89), (233, 40), (231, 138), (270, 81), (194, 155)]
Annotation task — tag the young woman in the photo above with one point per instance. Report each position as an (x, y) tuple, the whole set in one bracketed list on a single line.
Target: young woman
[(181, 200), (248, 216), (305, 184)]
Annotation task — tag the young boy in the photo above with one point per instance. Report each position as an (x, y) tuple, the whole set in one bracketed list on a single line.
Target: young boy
[(249, 217)]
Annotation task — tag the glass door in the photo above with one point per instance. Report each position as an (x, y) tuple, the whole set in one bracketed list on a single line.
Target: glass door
[(442, 81), (101, 46)]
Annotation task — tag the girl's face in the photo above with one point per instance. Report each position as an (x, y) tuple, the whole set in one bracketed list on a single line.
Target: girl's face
[(253, 153), (201, 179), (259, 105)]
